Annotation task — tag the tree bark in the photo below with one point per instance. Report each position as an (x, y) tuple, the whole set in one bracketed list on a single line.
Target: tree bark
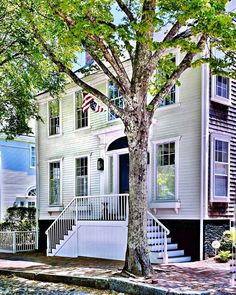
[(137, 256)]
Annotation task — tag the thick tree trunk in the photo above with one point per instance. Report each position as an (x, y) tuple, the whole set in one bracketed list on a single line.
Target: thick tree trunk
[(137, 257)]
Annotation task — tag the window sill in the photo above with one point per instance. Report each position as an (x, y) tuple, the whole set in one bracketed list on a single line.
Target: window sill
[(168, 107), (175, 205), (54, 136), (219, 200), (55, 209), (221, 100), (81, 129)]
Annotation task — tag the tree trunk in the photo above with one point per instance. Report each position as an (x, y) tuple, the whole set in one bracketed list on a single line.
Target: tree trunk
[(137, 256)]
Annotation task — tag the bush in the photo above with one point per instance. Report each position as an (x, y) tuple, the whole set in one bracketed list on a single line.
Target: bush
[(227, 240), (19, 219), (223, 256)]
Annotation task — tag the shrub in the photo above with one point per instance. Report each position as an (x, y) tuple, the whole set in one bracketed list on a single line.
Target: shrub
[(227, 240), (19, 219), (223, 256)]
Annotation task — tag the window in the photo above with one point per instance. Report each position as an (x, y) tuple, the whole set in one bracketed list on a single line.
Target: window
[(170, 98), (32, 192), (81, 175), (31, 204), (166, 171), (114, 95), (220, 169), (221, 89), (54, 183), (81, 119), (32, 157), (54, 117), (22, 203)]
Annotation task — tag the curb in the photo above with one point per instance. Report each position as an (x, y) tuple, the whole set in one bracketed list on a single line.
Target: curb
[(113, 284)]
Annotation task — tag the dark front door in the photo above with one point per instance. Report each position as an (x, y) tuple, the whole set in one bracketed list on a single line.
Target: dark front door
[(124, 173)]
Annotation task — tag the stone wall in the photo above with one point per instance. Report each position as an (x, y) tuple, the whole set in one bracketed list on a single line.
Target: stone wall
[(213, 231)]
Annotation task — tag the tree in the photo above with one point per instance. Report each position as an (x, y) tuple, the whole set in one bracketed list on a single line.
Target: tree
[(59, 29), (21, 76)]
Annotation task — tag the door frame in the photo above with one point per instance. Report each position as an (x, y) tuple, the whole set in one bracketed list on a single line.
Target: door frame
[(116, 181)]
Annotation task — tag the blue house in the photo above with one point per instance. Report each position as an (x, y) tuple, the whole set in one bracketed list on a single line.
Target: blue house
[(17, 173)]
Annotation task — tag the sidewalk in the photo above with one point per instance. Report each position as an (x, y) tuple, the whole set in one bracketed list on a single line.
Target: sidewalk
[(191, 276)]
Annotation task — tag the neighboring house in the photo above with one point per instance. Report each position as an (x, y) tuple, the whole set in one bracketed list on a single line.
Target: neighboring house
[(191, 170), (17, 173)]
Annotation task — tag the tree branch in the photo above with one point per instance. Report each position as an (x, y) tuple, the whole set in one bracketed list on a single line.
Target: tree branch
[(185, 64), (9, 58), (63, 68), (112, 59), (126, 10)]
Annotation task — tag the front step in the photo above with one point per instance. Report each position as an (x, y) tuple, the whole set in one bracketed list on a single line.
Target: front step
[(179, 259)]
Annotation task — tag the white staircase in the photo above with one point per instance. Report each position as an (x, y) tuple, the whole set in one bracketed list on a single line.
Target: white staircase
[(106, 211), (160, 246)]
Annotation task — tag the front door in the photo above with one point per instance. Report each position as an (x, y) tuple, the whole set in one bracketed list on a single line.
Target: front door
[(124, 173)]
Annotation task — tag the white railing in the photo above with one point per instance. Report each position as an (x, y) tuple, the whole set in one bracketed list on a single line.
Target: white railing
[(17, 241), (160, 233), (92, 208)]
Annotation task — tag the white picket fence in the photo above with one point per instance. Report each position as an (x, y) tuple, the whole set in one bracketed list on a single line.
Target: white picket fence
[(18, 241)]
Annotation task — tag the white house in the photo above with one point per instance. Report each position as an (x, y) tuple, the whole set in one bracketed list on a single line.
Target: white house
[(191, 171)]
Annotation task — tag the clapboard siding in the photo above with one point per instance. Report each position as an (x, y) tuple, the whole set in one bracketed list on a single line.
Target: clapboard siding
[(223, 119), (73, 143), (184, 121)]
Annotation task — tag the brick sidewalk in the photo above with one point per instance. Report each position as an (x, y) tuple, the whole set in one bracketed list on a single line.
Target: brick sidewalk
[(195, 276)]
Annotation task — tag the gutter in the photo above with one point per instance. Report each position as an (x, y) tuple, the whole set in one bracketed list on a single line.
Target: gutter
[(205, 86)]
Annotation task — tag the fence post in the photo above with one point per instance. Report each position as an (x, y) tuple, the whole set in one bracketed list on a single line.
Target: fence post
[(36, 239), (14, 242)]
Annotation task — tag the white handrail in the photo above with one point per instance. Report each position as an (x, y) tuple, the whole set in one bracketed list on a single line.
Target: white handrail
[(158, 221), (159, 232)]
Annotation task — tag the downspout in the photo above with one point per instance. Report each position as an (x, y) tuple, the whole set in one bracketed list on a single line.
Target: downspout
[(204, 152), (37, 183)]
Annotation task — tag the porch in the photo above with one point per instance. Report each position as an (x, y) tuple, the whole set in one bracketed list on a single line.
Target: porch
[(97, 226)]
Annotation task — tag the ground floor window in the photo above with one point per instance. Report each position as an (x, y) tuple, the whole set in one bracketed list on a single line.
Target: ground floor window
[(55, 183), (81, 176), (165, 171)]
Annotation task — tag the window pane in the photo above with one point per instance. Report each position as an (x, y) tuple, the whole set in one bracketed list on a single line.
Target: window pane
[(81, 118), (221, 168), (166, 171), (82, 176), (222, 86), (114, 95), (54, 119), (55, 183), (221, 186)]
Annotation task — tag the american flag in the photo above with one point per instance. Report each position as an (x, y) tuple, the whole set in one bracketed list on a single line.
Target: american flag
[(89, 102)]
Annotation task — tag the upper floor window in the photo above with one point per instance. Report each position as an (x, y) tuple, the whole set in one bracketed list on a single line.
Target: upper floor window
[(55, 183), (114, 95), (166, 167), (32, 192), (81, 176), (220, 169), (81, 118), (32, 156), (170, 98), (221, 89), (54, 117)]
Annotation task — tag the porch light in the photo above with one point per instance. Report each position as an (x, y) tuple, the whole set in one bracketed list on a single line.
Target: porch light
[(100, 164)]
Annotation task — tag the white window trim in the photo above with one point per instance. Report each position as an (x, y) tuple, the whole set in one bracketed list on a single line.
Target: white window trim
[(177, 103), (61, 180), (213, 138), (163, 141), (31, 166), (75, 119), (107, 113), (89, 161), (60, 119), (217, 98)]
